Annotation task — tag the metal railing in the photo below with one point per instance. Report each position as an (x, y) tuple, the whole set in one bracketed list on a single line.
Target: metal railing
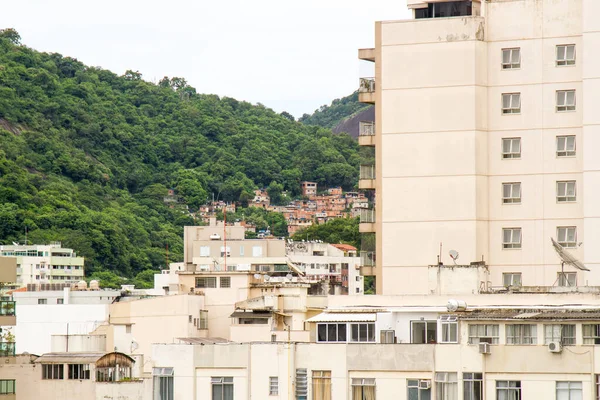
[(7, 308), (367, 216), (366, 85), (367, 171), (367, 258), (7, 349), (366, 128)]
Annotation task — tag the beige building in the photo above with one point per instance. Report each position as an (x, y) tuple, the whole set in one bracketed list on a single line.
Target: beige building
[(485, 137)]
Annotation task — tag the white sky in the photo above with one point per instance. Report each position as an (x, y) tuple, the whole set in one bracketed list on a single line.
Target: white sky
[(286, 54)]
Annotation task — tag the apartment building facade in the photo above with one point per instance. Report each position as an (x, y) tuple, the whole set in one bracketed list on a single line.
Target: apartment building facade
[(485, 136)]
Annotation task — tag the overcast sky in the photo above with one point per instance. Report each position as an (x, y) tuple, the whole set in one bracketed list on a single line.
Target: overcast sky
[(290, 55)]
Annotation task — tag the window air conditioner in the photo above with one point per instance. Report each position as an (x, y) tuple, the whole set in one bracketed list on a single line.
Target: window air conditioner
[(485, 348), (555, 347), (425, 384)]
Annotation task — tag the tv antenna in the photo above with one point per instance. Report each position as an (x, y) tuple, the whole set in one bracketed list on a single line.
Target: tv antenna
[(566, 258), (453, 255)]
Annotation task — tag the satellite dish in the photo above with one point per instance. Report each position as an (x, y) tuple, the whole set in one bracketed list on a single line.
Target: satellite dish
[(289, 277), (134, 346), (566, 257), (256, 276), (453, 255), (267, 278)]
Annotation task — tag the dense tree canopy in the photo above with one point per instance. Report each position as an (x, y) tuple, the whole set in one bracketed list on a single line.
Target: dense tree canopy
[(328, 116), (86, 157), (341, 230)]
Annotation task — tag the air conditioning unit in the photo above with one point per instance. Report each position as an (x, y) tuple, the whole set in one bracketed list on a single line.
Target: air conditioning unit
[(555, 347), (425, 384), (485, 348)]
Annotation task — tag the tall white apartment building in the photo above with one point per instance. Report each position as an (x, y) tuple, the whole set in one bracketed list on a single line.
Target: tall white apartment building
[(486, 138), (45, 263)]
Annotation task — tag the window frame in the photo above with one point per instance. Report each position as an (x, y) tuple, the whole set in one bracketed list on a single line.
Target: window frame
[(569, 389), (321, 376), (162, 379), (565, 243), (488, 333), (203, 320), (221, 381), (564, 279), (567, 187), (427, 323), (512, 199), (595, 337), (206, 279), (273, 386), (566, 107), (370, 332), (53, 371), (516, 387), (472, 379), (446, 385), (511, 109), (511, 155), (301, 384), (361, 383), (78, 372), (8, 386), (565, 62), (225, 282), (448, 324), (414, 384), (521, 338), (565, 151), (511, 64), (562, 338), (512, 245), (328, 332)]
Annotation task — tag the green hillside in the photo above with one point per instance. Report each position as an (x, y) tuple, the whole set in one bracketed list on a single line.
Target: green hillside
[(86, 156), (329, 116)]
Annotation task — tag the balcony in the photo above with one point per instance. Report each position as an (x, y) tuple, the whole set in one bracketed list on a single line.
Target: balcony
[(367, 221), (7, 349), (367, 258), (366, 54), (366, 133), (367, 177), (8, 313), (366, 90)]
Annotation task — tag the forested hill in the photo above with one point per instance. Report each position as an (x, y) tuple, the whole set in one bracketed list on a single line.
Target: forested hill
[(336, 113), (86, 156)]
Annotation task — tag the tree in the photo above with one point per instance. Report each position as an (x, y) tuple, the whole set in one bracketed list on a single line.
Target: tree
[(11, 35), (275, 191), (340, 230), (288, 116)]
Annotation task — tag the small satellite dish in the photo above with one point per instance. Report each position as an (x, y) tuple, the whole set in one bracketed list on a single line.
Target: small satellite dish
[(453, 255), (256, 276), (289, 277), (267, 278)]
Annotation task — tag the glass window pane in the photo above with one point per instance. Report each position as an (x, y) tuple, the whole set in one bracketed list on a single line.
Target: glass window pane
[(341, 332), (570, 52)]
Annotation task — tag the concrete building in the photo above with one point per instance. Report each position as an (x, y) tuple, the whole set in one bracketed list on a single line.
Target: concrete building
[(8, 319), (309, 188), (485, 138), (45, 264)]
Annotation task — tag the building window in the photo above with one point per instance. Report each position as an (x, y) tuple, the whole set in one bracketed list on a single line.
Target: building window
[(511, 193), (301, 384), (521, 334), (565, 146), (363, 388), (446, 385), (7, 386), (511, 58), (567, 236), (204, 251), (241, 251), (511, 147), (163, 383), (591, 334), (321, 385), (387, 336), (565, 100), (53, 371), (203, 320), (331, 333), (362, 332), (566, 191), (511, 103), (449, 325), (60, 301), (224, 250), (566, 390), (564, 333), (418, 389), (206, 282), (257, 251), (42, 301), (472, 386), (273, 386), (484, 333), (508, 390), (222, 388), (511, 238), (225, 282), (79, 371), (423, 332), (597, 387), (567, 279), (565, 54)]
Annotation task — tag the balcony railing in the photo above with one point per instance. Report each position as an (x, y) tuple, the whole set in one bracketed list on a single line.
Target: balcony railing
[(367, 172), (7, 349), (7, 308), (366, 85), (366, 128), (367, 216), (367, 258)]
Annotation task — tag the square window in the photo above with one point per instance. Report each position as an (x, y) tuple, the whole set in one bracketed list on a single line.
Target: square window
[(565, 146), (591, 334), (569, 390), (566, 191), (567, 279), (511, 238), (508, 390), (511, 103), (522, 334), (565, 100), (511, 58), (511, 148), (225, 282), (479, 333), (564, 333), (511, 193), (567, 236), (565, 54)]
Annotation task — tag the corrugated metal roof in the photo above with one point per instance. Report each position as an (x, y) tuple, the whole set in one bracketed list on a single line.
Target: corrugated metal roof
[(208, 340), (244, 314), (343, 317), (503, 314), (73, 358)]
